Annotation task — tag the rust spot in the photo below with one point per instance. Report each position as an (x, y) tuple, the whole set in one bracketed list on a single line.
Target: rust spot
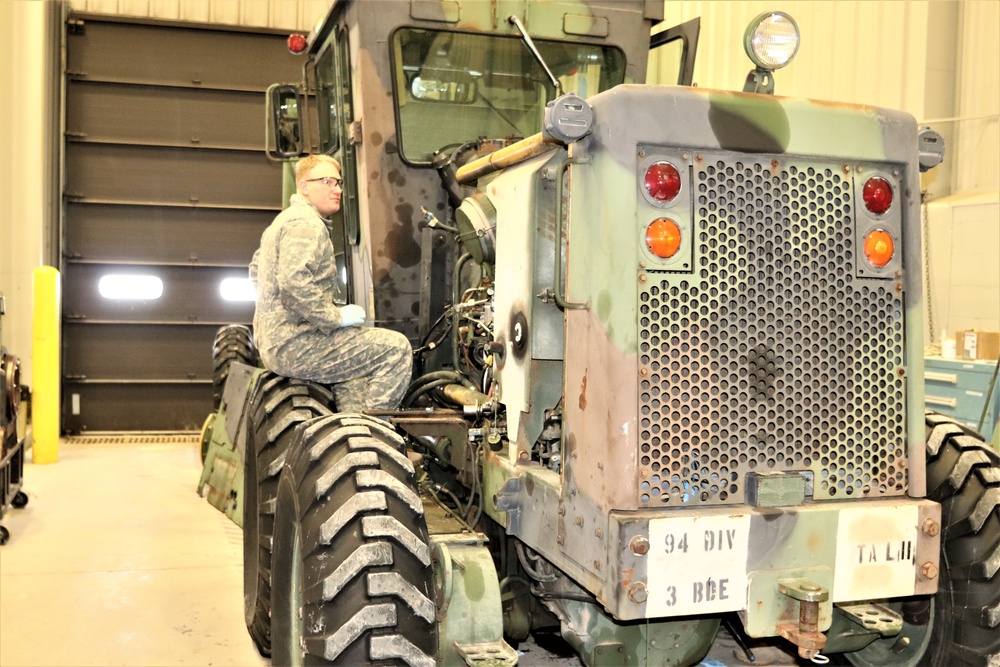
[(400, 245), (583, 393), (376, 138), (396, 178)]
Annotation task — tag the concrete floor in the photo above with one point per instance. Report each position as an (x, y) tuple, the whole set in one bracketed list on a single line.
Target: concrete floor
[(117, 561)]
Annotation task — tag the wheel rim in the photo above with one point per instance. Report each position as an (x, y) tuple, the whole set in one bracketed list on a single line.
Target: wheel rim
[(297, 626)]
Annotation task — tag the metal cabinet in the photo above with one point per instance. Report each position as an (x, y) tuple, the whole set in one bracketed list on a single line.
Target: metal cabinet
[(959, 389)]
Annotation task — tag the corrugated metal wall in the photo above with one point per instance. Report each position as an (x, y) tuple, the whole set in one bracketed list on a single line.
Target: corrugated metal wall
[(852, 51), (283, 14), (978, 101)]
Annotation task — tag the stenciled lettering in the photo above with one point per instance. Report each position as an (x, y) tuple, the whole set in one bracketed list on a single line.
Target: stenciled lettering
[(709, 590), (885, 552), (720, 540)]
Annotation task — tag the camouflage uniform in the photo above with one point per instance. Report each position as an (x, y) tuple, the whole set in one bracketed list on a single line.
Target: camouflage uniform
[(297, 326)]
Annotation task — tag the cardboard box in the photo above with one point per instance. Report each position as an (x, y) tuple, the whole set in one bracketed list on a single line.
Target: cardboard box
[(976, 344)]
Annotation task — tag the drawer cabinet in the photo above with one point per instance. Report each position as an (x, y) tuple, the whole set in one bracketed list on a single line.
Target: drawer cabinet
[(958, 388)]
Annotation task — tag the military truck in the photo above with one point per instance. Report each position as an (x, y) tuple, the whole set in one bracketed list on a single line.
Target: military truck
[(667, 360)]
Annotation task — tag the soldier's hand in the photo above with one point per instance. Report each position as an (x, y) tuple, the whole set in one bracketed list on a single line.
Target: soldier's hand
[(351, 315)]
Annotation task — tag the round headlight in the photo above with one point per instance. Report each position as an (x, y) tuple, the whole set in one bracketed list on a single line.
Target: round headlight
[(771, 40)]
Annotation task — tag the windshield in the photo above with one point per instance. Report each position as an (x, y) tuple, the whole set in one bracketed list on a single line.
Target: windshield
[(454, 87)]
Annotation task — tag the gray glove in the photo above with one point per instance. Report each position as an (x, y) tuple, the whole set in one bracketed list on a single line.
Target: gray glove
[(351, 315)]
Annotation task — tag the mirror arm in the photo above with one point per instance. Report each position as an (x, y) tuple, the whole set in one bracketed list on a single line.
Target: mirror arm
[(307, 135)]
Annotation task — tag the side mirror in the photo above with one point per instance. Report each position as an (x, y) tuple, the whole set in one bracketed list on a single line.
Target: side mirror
[(284, 131)]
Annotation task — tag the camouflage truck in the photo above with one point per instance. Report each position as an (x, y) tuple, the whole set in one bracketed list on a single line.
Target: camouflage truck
[(668, 361)]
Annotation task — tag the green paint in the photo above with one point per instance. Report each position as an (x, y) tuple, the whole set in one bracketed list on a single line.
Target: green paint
[(604, 305), (750, 123), (475, 580)]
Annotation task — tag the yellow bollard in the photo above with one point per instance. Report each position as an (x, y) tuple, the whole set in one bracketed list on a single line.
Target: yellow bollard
[(46, 297)]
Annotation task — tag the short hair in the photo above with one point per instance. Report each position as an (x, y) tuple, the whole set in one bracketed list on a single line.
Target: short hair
[(310, 162)]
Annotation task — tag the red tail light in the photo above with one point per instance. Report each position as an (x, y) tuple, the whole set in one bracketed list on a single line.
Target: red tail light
[(878, 195), (663, 182)]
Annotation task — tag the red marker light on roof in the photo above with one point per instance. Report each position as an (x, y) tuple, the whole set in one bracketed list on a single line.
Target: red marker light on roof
[(663, 182), (297, 43), (878, 195)]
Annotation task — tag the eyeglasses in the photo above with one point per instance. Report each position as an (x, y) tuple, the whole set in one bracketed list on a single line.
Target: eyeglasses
[(327, 181)]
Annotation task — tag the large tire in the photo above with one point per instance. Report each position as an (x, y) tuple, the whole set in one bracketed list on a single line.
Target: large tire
[(961, 624), (352, 578), (233, 342), (277, 406)]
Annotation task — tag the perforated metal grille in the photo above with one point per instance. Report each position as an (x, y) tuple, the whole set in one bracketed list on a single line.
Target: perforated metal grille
[(774, 356)]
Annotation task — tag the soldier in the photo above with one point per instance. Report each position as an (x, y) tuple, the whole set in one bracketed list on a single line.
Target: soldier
[(299, 330)]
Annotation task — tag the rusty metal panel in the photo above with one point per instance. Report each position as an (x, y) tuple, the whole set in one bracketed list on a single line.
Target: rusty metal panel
[(190, 295), (109, 352), (173, 176), (176, 54), (135, 407), (161, 116), (166, 234)]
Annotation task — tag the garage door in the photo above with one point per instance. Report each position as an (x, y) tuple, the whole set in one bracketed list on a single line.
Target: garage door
[(165, 194)]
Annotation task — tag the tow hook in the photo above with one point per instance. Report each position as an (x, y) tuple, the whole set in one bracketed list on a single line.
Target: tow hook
[(805, 634)]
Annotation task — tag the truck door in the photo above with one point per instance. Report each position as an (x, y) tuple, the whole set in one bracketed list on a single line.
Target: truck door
[(672, 53)]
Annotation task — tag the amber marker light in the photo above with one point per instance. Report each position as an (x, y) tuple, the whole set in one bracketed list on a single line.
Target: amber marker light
[(663, 237), (877, 195), (663, 181), (879, 248)]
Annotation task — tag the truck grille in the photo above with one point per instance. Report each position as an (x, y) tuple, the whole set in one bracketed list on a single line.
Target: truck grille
[(774, 355)]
